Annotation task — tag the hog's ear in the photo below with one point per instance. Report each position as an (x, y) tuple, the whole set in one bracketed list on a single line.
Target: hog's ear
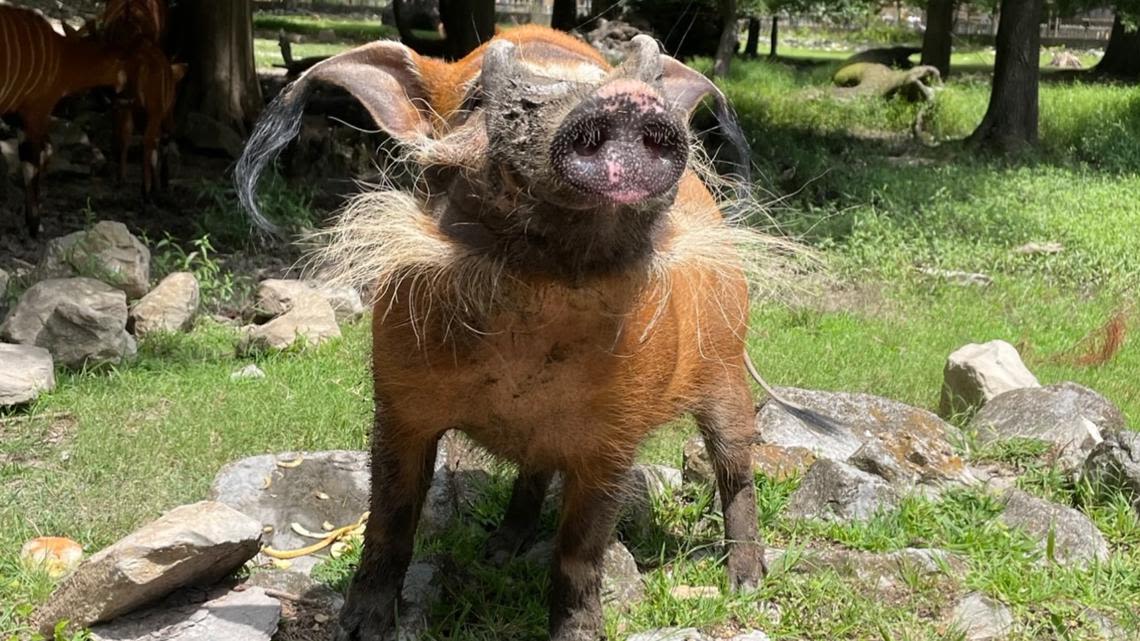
[(383, 76), (686, 88)]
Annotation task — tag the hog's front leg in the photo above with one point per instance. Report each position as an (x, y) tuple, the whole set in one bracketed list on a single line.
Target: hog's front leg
[(590, 506), (727, 423), (403, 460), (520, 523)]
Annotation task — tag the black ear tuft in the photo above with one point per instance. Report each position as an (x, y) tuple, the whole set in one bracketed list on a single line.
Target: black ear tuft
[(279, 123)]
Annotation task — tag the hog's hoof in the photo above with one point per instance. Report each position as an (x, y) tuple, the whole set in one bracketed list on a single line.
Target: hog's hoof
[(746, 569), (365, 619)]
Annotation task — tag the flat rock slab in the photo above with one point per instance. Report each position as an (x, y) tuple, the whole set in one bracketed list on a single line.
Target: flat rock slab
[(199, 615), (1114, 465), (107, 251), (692, 634), (1076, 539), (921, 443), (169, 307), (26, 371), (879, 569), (834, 491), (195, 544), (1068, 416), (979, 618)]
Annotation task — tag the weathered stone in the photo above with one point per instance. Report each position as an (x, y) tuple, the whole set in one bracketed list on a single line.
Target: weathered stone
[(882, 570), (169, 307), (696, 466), (873, 458), (1068, 416), (920, 442), (81, 321), (345, 301), (976, 373), (278, 296), (310, 321), (694, 592), (107, 252), (648, 485), (197, 614), (1036, 248), (621, 582), (835, 491), (195, 544), (1114, 465), (298, 584), (669, 634), (422, 588), (25, 372), (276, 494), (251, 371), (980, 618), (780, 463), (1076, 539), (5, 278)]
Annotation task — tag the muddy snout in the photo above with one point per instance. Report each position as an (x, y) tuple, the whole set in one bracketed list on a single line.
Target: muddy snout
[(621, 144)]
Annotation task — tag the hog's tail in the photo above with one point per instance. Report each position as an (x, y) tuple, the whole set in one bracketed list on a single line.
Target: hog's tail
[(812, 418), (278, 124)]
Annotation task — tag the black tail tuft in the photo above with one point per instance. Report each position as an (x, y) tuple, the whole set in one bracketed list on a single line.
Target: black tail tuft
[(278, 125), (730, 128), (815, 421)]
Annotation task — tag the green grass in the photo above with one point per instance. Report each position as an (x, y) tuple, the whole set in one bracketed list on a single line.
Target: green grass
[(267, 53), (345, 29), (114, 448)]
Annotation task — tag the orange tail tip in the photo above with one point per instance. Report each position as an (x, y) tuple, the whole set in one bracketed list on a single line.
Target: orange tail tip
[(55, 554)]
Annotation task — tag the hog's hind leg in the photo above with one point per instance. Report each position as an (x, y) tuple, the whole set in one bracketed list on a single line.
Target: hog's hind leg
[(726, 423), (520, 523), (403, 460)]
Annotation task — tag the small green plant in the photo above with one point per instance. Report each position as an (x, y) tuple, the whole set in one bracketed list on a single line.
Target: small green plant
[(215, 283)]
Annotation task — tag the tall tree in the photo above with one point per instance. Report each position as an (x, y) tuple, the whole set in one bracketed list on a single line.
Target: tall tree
[(1122, 55), (1011, 120), (752, 44), (564, 15), (216, 38), (726, 48), (936, 42)]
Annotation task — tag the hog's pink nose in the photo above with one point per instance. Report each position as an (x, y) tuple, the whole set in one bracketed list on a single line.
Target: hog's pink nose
[(621, 143)]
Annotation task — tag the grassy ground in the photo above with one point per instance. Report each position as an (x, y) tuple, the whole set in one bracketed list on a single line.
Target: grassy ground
[(111, 450)]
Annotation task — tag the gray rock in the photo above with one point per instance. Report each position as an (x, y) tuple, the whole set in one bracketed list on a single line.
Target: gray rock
[(195, 544), (251, 371), (345, 301), (422, 588), (979, 618), (298, 584), (754, 635), (976, 373), (669, 634), (873, 458), (81, 321), (277, 296), (1068, 416), (169, 307), (1076, 540), (621, 582), (648, 486), (921, 443), (882, 570), (697, 466), (276, 495), (311, 322), (108, 252), (206, 134), (5, 278), (835, 491), (1114, 465), (199, 615), (25, 372)]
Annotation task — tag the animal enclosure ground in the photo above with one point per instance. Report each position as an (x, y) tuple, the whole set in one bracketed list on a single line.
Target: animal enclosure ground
[(109, 450)]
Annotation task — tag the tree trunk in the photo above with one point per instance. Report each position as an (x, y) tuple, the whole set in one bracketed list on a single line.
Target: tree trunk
[(423, 46), (564, 16), (936, 41), (468, 24), (752, 45), (775, 37), (216, 38), (727, 46), (1122, 55), (1010, 122)]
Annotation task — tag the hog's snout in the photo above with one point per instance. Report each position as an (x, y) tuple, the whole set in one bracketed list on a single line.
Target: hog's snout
[(621, 143)]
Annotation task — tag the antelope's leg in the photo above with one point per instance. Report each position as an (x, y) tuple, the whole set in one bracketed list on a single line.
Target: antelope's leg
[(151, 134), (590, 506), (520, 523), (124, 123), (403, 459), (33, 161), (726, 423)]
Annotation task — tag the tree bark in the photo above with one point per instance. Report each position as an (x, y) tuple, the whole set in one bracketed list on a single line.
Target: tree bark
[(774, 38), (752, 45), (216, 38), (1122, 55), (423, 46), (727, 46), (564, 15), (1010, 122), (936, 42), (468, 24)]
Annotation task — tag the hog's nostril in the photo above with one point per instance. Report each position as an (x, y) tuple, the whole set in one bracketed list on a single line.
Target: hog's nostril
[(589, 140), (660, 140)]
